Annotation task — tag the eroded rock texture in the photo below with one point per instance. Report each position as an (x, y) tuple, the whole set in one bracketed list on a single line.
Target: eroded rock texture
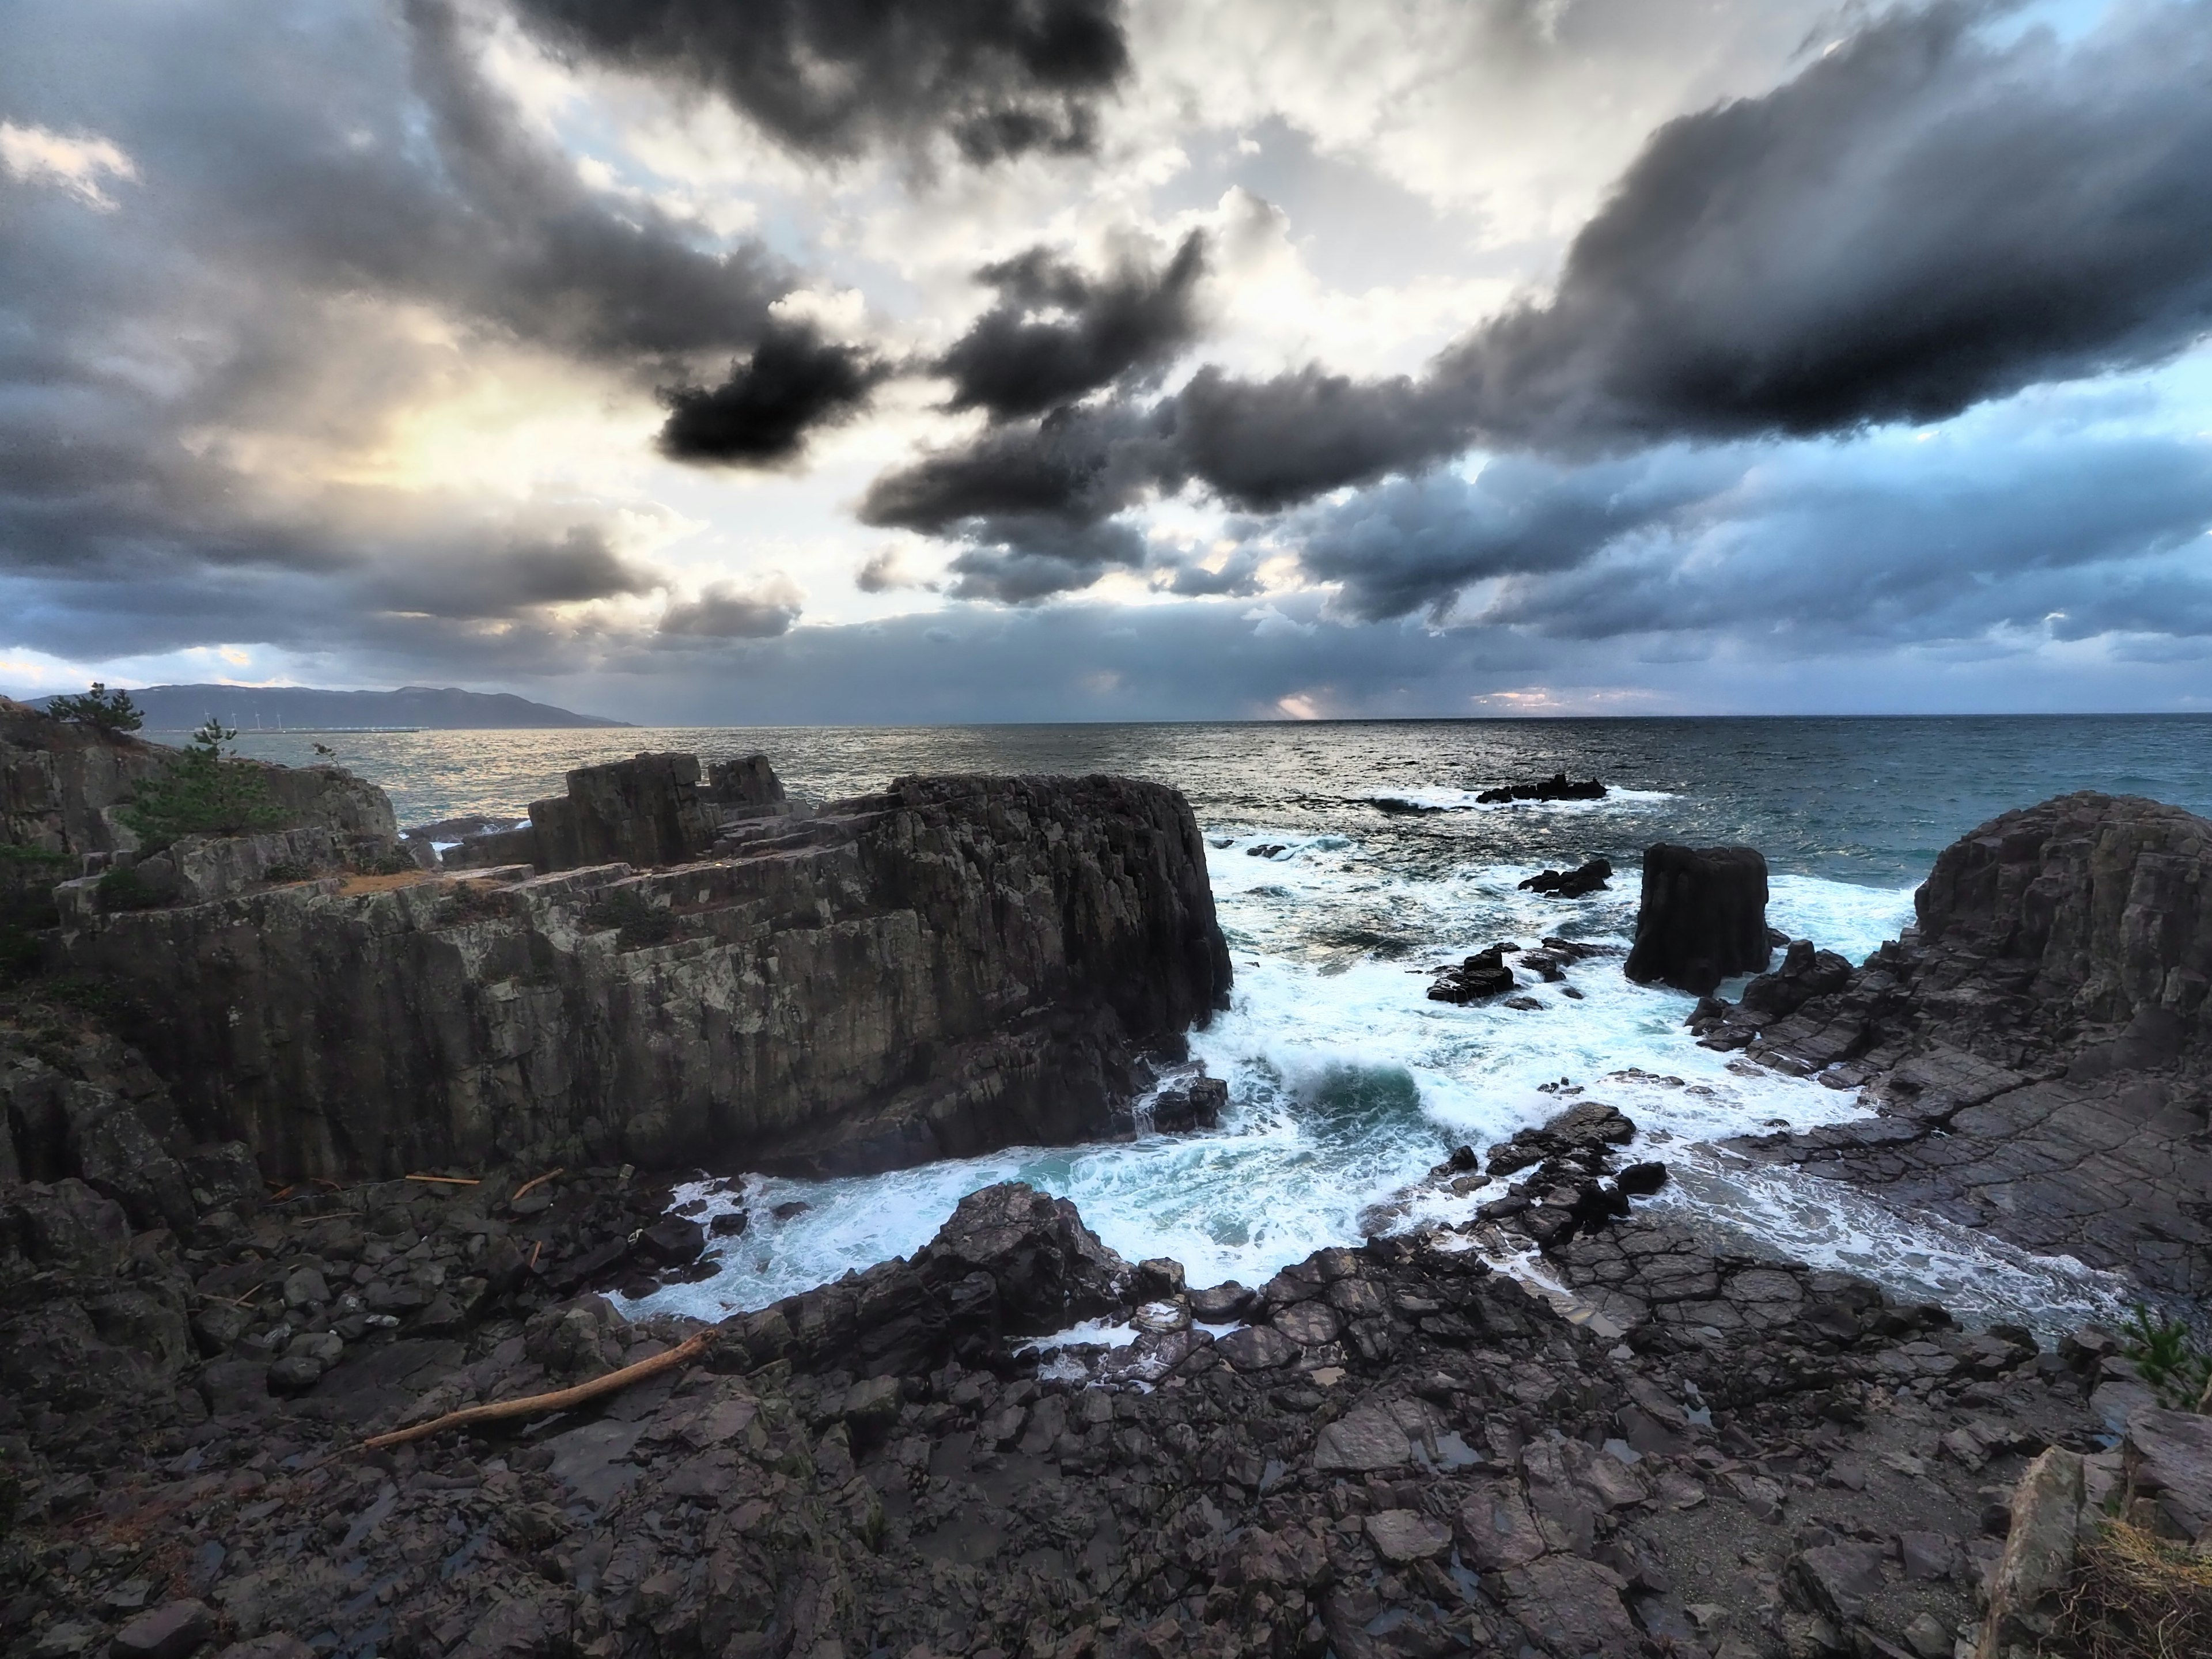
[(953, 965), (1703, 916), (2035, 1044)]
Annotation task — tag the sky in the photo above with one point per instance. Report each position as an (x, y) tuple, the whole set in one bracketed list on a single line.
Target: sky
[(893, 360)]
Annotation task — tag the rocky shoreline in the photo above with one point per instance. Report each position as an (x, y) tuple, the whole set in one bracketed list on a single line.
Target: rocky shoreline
[(1561, 1427)]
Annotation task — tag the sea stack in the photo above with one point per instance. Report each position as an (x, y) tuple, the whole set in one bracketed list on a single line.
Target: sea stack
[(1703, 917)]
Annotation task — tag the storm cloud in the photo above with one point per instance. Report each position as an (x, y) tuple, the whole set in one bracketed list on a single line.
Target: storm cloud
[(831, 76), (794, 384), (1922, 219), (1058, 333)]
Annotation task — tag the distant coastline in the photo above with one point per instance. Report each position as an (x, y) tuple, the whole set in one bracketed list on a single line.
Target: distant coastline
[(312, 710)]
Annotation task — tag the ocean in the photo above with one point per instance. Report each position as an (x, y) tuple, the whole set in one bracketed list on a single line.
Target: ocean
[(1350, 860)]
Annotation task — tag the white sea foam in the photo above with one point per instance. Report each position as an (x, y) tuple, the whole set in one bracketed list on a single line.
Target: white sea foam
[(1347, 1084)]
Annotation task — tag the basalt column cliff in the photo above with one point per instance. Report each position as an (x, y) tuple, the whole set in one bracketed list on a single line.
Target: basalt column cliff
[(951, 966)]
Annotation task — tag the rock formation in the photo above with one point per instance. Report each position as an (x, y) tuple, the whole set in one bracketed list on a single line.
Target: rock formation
[(2034, 1044), (1703, 917), (1580, 882), (62, 786), (1558, 786), (952, 966)]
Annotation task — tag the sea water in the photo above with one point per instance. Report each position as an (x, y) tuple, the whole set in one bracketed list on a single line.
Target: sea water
[(1348, 862)]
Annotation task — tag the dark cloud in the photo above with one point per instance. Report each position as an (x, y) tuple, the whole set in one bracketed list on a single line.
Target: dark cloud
[(1131, 321), (509, 578), (1921, 220), (1015, 561), (726, 611), (794, 384), (830, 76)]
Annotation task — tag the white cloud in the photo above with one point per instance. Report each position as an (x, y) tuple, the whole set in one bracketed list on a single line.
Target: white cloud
[(75, 164)]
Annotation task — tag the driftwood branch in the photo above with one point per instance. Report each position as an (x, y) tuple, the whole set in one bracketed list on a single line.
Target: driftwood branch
[(534, 1182), (560, 1400), (446, 1181)]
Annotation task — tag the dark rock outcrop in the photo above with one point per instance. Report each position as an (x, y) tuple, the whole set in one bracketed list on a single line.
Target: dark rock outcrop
[(2035, 1045), (644, 812), (62, 786), (1588, 877), (1482, 975), (1703, 916), (954, 965), (1558, 786)]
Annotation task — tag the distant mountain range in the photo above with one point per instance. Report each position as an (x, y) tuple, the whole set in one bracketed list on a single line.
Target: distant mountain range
[(183, 708)]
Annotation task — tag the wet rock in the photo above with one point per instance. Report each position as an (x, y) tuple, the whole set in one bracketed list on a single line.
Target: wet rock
[(673, 1241), (1257, 1348), (1585, 879), (1703, 916), (1805, 973), (1197, 1105), (1220, 1303), (1401, 1536), (1482, 974), (1367, 1439), (1558, 786)]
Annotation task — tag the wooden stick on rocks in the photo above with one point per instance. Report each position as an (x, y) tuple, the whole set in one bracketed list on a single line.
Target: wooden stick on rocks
[(534, 1182), (560, 1400)]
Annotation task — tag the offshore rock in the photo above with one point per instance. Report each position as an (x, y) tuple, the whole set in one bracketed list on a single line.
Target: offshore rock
[(1558, 786), (952, 966), (1482, 975), (1580, 882), (1703, 916), (2035, 1045)]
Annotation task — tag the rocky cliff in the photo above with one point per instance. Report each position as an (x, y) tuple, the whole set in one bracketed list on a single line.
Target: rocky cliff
[(61, 785), (2035, 1044), (953, 965)]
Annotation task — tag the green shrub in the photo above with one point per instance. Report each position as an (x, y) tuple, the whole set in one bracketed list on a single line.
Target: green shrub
[(640, 923), (203, 794), (125, 889), (288, 870), (101, 709), (2167, 1357)]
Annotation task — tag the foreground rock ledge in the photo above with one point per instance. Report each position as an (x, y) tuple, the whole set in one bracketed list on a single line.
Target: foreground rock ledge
[(1398, 1452), (2036, 1045), (953, 965)]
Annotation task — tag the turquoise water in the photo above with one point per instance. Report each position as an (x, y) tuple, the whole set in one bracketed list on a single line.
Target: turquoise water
[(1346, 1083)]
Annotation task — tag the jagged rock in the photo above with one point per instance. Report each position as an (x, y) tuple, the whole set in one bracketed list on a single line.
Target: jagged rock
[(1805, 973), (1703, 916), (743, 780), (1049, 1270), (949, 967), (1558, 786), (643, 812), (1581, 882), (170, 1632), (1481, 976), (2166, 1460), (2032, 1575), (2033, 1043)]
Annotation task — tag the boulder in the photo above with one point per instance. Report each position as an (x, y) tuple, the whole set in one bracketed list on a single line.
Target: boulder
[(1805, 973), (1482, 975), (743, 780), (1703, 917), (1578, 882), (643, 812), (1050, 1271)]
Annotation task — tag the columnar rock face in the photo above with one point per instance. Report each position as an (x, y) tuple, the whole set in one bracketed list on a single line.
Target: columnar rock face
[(2035, 1044), (953, 965), (1703, 916), (644, 812)]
